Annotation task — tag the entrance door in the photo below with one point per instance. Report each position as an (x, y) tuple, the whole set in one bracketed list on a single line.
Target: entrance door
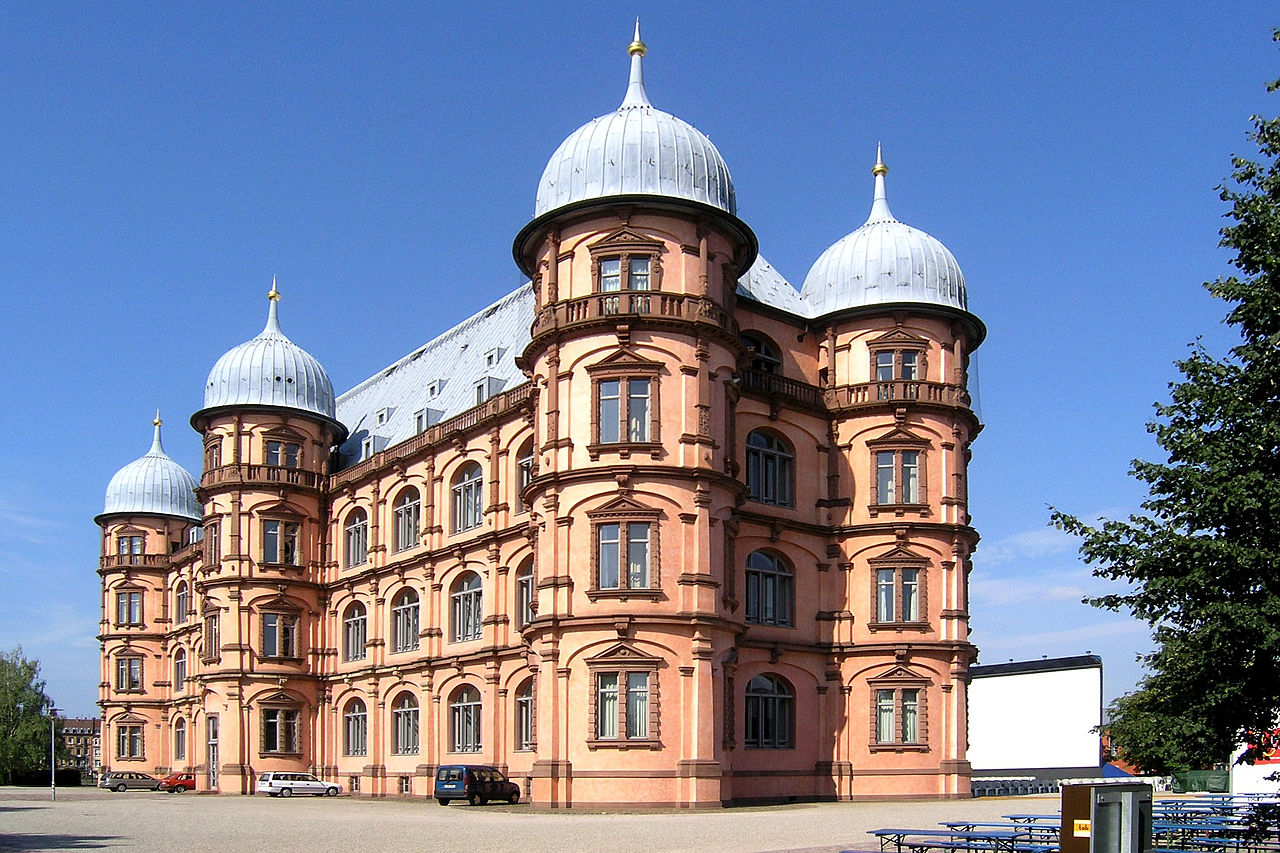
[(212, 757)]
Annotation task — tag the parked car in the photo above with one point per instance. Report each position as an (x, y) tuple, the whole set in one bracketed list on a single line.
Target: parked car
[(475, 783), (128, 780), (286, 784), (176, 783)]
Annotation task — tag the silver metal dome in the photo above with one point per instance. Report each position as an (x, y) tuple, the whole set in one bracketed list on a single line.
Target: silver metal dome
[(884, 261), (270, 370), (636, 149), (153, 485)]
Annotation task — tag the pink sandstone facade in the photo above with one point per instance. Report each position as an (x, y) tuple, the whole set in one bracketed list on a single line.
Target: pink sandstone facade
[(711, 547)]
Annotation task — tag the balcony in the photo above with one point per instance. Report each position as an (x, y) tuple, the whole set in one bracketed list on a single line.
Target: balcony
[(906, 391), (621, 306), (260, 475), (773, 386), (146, 561)]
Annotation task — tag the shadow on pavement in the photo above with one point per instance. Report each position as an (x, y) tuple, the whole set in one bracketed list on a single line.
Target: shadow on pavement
[(24, 841)]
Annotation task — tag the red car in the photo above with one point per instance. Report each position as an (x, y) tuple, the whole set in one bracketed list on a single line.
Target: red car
[(176, 783)]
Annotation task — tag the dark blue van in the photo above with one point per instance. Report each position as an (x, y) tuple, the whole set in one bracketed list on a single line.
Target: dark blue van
[(475, 783)]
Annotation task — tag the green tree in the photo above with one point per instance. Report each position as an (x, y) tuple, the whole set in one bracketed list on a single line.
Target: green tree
[(1202, 559), (24, 726)]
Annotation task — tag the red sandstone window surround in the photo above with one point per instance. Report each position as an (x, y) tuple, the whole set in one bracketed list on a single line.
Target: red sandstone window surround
[(899, 718), (625, 550), (626, 402), (623, 710), (898, 473), (898, 591)]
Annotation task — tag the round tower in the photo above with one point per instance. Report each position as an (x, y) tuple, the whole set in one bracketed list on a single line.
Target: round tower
[(634, 252), (148, 519), (891, 310), (269, 428)]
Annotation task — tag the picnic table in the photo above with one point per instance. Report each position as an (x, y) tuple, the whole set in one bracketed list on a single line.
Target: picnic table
[(1033, 818), (925, 840), (1035, 832)]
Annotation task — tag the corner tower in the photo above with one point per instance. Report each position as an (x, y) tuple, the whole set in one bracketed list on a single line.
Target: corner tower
[(634, 253), (269, 428)]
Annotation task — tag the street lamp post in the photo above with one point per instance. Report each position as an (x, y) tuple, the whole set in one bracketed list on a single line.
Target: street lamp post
[(53, 779)]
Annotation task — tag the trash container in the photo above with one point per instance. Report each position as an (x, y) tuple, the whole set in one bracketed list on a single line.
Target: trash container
[(1106, 818)]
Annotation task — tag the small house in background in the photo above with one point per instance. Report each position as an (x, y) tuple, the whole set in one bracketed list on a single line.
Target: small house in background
[(1033, 724)]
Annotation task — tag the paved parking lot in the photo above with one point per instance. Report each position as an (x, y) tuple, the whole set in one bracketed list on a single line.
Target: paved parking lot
[(148, 822)]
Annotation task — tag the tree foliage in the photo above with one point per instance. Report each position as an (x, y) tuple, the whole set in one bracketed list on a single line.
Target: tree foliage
[(1202, 559), (24, 727)]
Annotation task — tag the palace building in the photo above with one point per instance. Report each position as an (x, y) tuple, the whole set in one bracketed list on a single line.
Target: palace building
[(655, 528)]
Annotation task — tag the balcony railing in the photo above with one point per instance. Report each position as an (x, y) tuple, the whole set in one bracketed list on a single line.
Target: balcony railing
[(639, 303), (118, 561), (774, 385), (875, 393), (496, 406), (254, 475)]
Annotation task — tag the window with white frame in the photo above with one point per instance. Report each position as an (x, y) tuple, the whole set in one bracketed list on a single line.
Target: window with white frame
[(179, 740), (770, 469), (404, 622), (280, 542), (179, 672), (354, 632), (129, 674), (467, 602), (280, 730), (622, 555), (770, 590), (181, 603), (406, 517), (404, 725), (770, 714), (279, 635), (355, 729), (283, 454), (129, 607), (899, 476), (524, 716), (468, 498), (464, 720), (129, 741), (524, 595), (357, 538)]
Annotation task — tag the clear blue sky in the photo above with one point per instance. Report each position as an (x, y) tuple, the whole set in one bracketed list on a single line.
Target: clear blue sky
[(160, 162)]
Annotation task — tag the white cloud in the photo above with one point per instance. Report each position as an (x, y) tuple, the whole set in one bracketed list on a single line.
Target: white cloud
[(1036, 543)]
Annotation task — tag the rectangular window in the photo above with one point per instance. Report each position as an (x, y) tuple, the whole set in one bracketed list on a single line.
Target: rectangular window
[(886, 595), (610, 411), (524, 721), (524, 600), (638, 274), (129, 675), (884, 716), (280, 730), (129, 548), (129, 742), (280, 542), (282, 454), (613, 573), (637, 704), (212, 641), (637, 556), (638, 410), (279, 635), (129, 608), (212, 544), (406, 785), (607, 705), (524, 476), (910, 477), (609, 556), (910, 595), (910, 369), (610, 275), (884, 367), (886, 493), (419, 421), (910, 716), (212, 456)]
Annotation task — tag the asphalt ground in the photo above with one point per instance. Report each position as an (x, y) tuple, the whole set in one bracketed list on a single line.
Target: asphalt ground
[(151, 822)]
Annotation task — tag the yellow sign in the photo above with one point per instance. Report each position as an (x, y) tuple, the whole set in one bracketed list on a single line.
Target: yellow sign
[(1082, 829)]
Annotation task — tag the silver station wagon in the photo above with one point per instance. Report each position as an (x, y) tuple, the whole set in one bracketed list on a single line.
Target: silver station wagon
[(286, 784)]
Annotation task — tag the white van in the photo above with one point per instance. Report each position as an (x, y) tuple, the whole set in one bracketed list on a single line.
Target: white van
[(286, 784)]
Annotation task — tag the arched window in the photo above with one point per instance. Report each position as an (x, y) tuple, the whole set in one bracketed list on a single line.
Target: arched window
[(181, 603), (179, 740), (179, 671), (466, 597), (357, 538), (770, 717), (524, 473), (770, 469), (404, 725), (406, 516), (464, 720), (524, 595), (355, 632), (524, 716), (765, 356), (468, 505), (769, 590), (355, 729), (404, 622)]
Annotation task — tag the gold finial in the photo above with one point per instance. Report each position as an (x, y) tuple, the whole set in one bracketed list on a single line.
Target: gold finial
[(879, 168), (157, 421), (274, 295), (637, 48)]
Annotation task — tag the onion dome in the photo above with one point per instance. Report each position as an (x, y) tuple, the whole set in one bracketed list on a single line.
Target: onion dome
[(883, 262), (636, 150), (270, 370), (153, 485)]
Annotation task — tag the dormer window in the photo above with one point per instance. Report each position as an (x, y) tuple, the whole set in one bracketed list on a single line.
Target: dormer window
[(419, 421), (435, 387), (366, 448), (381, 416), (485, 388), (493, 357)]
